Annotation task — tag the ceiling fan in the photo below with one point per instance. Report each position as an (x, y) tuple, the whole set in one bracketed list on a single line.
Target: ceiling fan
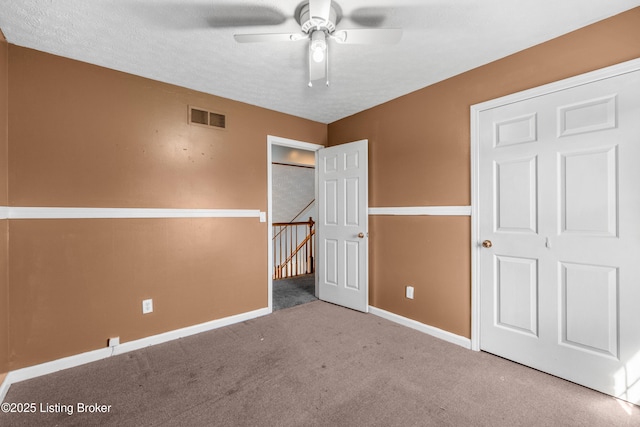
[(318, 20)]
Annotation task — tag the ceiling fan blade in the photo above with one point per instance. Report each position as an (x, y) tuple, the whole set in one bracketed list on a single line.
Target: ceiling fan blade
[(235, 15), (198, 14), (368, 36), (320, 9), (258, 38)]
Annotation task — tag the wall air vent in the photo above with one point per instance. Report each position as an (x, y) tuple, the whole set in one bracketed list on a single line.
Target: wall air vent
[(200, 116)]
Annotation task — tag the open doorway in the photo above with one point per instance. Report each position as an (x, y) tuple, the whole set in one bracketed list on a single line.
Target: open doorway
[(292, 213)]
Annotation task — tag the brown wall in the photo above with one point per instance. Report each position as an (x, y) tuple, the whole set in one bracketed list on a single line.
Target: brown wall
[(4, 286), (82, 135), (85, 136), (420, 156)]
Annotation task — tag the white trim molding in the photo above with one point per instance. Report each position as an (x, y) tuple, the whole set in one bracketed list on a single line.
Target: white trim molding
[(476, 110), (421, 327), (300, 145), (423, 210), (10, 212), (286, 142), (103, 353)]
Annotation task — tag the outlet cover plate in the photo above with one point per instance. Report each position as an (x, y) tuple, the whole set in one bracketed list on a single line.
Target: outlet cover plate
[(147, 306), (409, 292)]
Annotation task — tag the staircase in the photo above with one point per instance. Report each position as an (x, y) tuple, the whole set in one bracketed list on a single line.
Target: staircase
[(293, 245)]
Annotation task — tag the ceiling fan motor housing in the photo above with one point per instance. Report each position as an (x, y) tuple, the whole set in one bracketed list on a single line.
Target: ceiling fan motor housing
[(309, 23)]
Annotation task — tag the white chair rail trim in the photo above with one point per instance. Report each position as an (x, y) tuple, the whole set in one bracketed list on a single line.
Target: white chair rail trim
[(422, 210), (10, 212)]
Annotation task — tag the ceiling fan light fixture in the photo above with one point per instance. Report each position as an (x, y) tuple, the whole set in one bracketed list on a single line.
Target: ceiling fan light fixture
[(318, 55), (318, 46)]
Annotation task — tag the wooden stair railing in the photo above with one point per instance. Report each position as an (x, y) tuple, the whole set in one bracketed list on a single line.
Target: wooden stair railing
[(292, 249), (290, 268), (294, 218)]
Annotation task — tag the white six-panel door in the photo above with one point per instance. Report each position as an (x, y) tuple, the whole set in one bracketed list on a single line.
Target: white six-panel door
[(559, 197), (343, 225)]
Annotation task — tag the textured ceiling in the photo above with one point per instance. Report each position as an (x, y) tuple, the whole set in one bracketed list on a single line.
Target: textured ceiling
[(190, 43)]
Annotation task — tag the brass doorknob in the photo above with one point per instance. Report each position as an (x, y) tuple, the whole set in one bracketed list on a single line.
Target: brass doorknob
[(487, 244), (361, 235)]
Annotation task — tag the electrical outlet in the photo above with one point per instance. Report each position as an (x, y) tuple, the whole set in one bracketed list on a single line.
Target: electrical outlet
[(409, 292), (114, 341), (147, 306)]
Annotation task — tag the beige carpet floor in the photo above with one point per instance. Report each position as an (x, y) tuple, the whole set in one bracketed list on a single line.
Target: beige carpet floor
[(314, 364)]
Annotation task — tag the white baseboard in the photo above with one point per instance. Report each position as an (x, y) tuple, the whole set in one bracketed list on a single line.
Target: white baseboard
[(4, 388), (103, 353), (429, 330)]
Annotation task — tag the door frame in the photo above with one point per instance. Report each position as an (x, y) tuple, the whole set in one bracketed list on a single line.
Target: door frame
[(582, 79), (291, 143)]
